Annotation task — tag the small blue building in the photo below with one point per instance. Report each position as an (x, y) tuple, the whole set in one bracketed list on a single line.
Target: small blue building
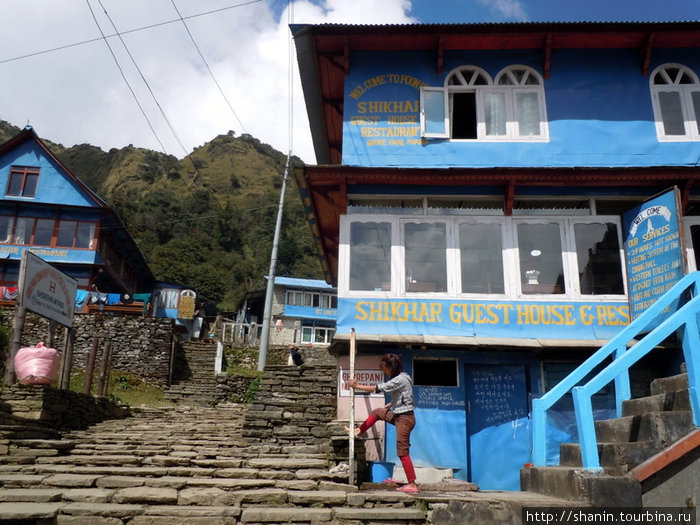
[(45, 208), (476, 203)]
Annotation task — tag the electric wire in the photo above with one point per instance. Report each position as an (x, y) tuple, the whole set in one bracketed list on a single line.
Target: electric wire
[(211, 74), (126, 81), (135, 30), (145, 81)]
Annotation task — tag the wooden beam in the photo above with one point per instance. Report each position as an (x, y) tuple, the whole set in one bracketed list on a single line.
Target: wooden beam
[(547, 55), (440, 55), (510, 197)]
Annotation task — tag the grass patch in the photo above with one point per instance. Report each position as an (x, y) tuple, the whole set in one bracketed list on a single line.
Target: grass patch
[(123, 388)]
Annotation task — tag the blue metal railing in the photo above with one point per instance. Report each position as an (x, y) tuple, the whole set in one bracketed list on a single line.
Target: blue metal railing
[(684, 319)]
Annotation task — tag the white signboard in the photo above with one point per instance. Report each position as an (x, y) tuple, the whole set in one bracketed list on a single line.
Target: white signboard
[(46, 291), (364, 377)]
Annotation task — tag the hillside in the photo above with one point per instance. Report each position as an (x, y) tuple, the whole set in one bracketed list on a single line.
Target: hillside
[(206, 221)]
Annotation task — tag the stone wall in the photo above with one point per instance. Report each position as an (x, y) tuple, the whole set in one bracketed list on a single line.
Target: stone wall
[(58, 409), (294, 405), (140, 345)]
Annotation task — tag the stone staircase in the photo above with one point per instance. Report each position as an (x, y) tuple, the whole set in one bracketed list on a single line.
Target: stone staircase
[(631, 448), (194, 381), (227, 465), (186, 465)]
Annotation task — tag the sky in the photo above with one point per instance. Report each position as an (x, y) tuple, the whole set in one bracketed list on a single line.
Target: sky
[(171, 75)]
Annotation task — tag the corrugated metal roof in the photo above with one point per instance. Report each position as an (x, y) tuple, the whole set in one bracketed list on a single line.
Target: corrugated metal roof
[(302, 283)]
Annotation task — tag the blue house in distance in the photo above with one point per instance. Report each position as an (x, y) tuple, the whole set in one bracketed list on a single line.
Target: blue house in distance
[(46, 209), (490, 201)]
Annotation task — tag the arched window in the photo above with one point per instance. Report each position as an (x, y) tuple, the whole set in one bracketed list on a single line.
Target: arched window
[(470, 106), (675, 95)]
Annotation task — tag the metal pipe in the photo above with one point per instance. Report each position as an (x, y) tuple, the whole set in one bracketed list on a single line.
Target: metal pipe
[(265, 337)]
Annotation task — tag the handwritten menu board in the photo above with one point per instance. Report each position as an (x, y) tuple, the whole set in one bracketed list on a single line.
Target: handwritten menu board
[(654, 250), (439, 397)]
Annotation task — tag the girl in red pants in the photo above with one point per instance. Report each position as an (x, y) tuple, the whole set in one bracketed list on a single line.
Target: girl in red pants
[(399, 412)]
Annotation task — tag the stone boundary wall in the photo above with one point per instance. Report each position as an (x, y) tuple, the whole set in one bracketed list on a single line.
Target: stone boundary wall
[(294, 406), (58, 409), (140, 345)]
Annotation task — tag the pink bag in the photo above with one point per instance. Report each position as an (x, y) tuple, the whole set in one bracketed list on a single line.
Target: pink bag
[(36, 365)]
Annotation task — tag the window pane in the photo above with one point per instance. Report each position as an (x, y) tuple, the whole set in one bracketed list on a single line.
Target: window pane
[(434, 112), (66, 233), (695, 100), (671, 112), (495, 113), (15, 186), (695, 239), (482, 258), (370, 256), (464, 115), (320, 335), (528, 114), (30, 185), (307, 299), (85, 235), (23, 230), (6, 223), (541, 267), (426, 248), (43, 232), (598, 255), (306, 332)]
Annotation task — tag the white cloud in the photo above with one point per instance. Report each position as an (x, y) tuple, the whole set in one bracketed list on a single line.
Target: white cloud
[(507, 8), (77, 95)]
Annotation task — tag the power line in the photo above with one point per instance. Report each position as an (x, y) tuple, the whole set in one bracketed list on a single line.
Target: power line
[(148, 86), (211, 74), (83, 42), (121, 71)]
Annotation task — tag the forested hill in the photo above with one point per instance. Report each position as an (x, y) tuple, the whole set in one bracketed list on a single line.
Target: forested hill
[(206, 221)]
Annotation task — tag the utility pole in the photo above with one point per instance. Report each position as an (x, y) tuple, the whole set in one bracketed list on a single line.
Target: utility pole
[(265, 337)]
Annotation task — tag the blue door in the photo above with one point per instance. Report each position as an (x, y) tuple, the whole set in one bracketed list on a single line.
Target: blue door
[(497, 430)]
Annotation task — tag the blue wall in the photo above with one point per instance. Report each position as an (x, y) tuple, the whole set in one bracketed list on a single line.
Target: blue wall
[(54, 187), (598, 106)]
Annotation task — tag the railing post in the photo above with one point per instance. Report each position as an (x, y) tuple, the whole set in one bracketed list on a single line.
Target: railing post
[(690, 341), (539, 434), (586, 428), (622, 383)]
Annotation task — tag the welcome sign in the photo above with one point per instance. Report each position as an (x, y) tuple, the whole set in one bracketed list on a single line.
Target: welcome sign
[(654, 250)]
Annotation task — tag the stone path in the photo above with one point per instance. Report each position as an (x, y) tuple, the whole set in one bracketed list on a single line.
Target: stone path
[(183, 465)]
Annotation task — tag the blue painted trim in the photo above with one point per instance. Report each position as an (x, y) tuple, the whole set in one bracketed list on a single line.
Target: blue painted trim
[(684, 318)]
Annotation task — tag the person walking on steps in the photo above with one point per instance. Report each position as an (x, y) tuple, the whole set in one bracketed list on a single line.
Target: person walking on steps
[(398, 413)]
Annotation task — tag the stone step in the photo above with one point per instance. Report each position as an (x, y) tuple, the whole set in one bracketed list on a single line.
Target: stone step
[(577, 484), (674, 383), (663, 428), (615, 458), (657, 403)]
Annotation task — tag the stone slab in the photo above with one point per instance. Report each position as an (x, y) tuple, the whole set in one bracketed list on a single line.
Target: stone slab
[(14, 511), (71, 480), (108, 510), (322, 497), (284, 515), (379, 514), (37, 495), (148, 495)]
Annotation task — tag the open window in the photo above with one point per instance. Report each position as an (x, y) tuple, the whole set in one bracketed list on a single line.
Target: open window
[(471, 107)]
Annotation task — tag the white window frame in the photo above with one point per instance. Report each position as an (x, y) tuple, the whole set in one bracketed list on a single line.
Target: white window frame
[(511, 260), (685, 91), (468, 85), (688, 221), (450, 256)]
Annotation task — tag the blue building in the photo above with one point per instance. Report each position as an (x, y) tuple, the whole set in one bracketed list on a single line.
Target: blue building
[(476, 201), (45, 208)]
